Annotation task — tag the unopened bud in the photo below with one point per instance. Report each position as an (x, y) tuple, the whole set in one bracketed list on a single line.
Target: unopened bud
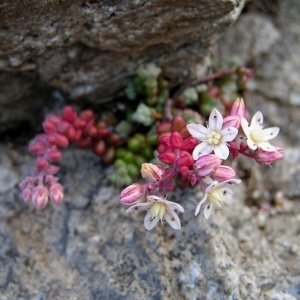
[(189, 144), (176, 140), (163, 127), (266, 158), (207, 164), (223, 173), (151, 173), (132, 194), (56, 193), (49, 127), (69, 114), (57, 139), (63, 127), (79, 123), (26, 195), (39, 197), (177, 123), (185, 160), (232, 121), (167, 157), (52, 155), (37, 148), (238, 108), (42, 163)]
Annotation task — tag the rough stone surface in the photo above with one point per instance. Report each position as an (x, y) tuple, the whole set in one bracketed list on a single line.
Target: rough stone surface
[(90, 249), (88, 50)]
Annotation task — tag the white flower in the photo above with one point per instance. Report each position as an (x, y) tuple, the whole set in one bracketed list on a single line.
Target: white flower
[(213, 137), (158, 209), (217, 193), (257, 137)]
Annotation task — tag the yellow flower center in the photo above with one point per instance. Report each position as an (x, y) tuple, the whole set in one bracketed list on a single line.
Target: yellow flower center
[(257, 136), (216, 196), (158, 210), (214, 138)]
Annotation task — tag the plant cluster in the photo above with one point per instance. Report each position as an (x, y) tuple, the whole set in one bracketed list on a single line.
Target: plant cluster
[(166, 136), (196, 153)]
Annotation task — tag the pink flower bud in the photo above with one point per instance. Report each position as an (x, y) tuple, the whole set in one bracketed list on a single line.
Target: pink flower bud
[(50, 179), (207, 164), (52, 170), (169, 186), (69, 114), (132, 194), (52, 154), (184, 171), (58, 139), (185, 160), (167, 157), (223, 173), (161, 149), (41, 163), (266, 158), (151, 173), (79, 123), (56, 193), (49, 127), (53, 118), (232, 121), (26, 195), (87, 115), (28, 182), (39, 197), (189, 144), (176, 140), (238, 108), (165, 141), (63, 127), (71, 134), (37, 148)]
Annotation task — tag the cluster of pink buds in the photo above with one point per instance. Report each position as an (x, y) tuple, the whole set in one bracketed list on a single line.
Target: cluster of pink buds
[(196, 153), (82, 130)]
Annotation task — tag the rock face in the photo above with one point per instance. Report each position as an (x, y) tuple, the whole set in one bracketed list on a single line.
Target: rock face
[(89, 49), (90, 249)]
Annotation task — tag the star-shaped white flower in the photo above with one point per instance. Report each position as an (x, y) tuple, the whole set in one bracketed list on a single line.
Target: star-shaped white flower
[(213, 137), (257, 137), (158, 209), (217, 193)]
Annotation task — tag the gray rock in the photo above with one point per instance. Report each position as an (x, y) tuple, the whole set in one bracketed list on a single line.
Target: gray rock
[(96, 251), (89, 50)]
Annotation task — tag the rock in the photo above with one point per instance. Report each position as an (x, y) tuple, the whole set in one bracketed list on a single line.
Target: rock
[(96, 251), (89, 50)]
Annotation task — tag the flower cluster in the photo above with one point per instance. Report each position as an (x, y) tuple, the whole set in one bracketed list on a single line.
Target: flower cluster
[(195, 153), (82, 130)]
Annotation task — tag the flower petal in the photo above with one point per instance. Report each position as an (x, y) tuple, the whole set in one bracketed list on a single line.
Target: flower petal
[(207, 210), (221, 150), (150, 222), (270, 133), (257, 121), (172, 218), (198, 131), (229, 134), (202, 149), (198, 207), (251, 144), (266, 146), (227, 193), (215, 121), (139, 207), (172, 206), (245, 126)]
